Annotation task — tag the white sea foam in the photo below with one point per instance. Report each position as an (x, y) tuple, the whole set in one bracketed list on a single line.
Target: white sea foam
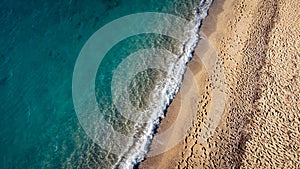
[(137, 150)]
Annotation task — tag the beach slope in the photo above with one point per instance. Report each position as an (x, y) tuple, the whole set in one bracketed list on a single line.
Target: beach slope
[(258, 45)]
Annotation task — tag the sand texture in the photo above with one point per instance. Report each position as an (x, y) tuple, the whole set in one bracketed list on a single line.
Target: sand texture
[(258, 46)]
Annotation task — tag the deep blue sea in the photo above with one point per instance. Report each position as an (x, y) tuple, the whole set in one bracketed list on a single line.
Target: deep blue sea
[(40, 41)]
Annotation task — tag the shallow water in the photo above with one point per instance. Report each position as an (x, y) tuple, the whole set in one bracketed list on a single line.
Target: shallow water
[(40, 42)]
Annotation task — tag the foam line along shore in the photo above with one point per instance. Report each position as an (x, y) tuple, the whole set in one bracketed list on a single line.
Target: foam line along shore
[(136, 153)]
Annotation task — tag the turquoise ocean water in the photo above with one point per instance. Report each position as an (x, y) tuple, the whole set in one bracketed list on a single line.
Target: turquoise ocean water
[(39, 44)]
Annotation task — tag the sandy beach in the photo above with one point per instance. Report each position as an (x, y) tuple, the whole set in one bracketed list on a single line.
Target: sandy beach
[(258, 48)]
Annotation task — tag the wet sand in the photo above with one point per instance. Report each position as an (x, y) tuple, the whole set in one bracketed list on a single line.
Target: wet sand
[(258, 47)]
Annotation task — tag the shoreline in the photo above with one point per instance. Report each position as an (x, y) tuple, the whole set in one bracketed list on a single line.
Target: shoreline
[(170, 158), (250, 38)]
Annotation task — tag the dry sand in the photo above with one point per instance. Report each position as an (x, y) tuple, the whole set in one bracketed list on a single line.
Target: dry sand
[(258, 44)]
